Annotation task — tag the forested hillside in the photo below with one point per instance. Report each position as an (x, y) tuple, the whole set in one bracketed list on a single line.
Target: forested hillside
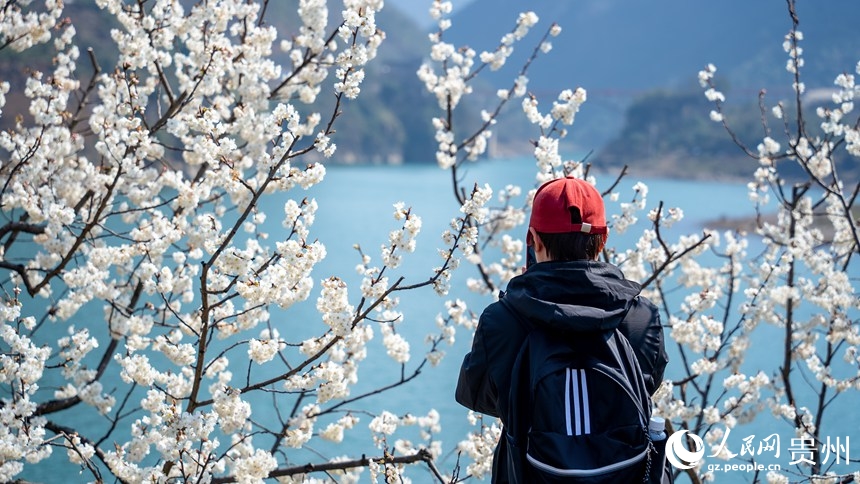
[(665, 134)]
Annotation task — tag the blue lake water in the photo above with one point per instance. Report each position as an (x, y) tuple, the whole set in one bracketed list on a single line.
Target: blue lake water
[(356, 206)]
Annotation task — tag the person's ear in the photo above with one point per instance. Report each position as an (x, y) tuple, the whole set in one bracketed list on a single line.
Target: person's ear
[(541, 254), (531, 237), (537, 243)]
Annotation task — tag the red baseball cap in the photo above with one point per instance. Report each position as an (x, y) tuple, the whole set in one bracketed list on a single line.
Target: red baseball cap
[(553, 204)]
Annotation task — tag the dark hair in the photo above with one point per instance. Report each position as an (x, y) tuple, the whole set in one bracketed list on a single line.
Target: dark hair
[(573, 245)]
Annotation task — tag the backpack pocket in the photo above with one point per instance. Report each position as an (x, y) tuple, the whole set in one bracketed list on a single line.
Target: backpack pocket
[(592, 458), (585, 429)]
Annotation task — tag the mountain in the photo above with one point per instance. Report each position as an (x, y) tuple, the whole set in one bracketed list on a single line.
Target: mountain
[(624, 50), (630, 45)]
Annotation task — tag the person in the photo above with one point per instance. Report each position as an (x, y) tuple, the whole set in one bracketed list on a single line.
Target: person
[(565, 290)]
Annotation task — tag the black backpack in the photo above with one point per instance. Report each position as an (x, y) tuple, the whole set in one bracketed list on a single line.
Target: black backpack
[(578, 410)]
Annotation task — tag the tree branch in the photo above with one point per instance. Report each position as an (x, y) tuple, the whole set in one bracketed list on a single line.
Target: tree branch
[(422, 455)]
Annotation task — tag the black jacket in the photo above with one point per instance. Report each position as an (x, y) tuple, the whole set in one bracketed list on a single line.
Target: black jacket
[(564, 297)]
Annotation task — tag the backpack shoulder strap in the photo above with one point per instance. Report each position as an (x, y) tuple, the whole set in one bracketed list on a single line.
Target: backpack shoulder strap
[(518, 420)]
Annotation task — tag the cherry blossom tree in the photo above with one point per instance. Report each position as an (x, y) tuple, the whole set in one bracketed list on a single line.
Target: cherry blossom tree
[(139, 189), (795, 296)]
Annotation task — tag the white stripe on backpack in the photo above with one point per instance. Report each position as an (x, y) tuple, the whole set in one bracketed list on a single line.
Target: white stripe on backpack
[(578, 422)]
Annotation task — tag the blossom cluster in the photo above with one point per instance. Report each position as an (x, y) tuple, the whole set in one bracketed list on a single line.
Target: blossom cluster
[(23, 28), (480, 445), (452, 80)]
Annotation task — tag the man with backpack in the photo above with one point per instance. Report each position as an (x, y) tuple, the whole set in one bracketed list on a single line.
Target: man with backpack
[(569, 355)]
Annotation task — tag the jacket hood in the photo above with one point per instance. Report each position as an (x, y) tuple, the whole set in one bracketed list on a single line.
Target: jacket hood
[(572, 296)]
